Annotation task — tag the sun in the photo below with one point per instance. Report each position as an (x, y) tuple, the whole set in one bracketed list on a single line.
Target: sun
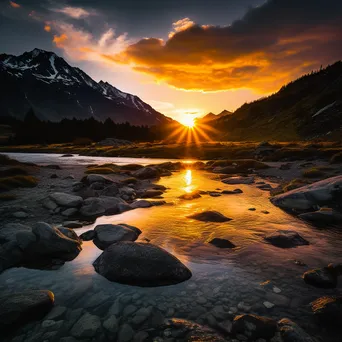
[(188, 121)]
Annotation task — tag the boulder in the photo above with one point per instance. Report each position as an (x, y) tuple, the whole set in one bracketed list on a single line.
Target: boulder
[(291, 332), (146, 173), (87, 326), (285, 239), (308, 197), (94, 178), (19, 308), (68, 233), (231, 192), (107, 234), (127, 193), (190, 195), (110, 191), (72, 224), (328, 310), (184, 330), (323, 217), (254, 327), (66, 200), (88, 235), (210, 216), (150, 193), (141, 264), (146, 204), (325, 278), (238, 180), (97, 206), (222, 243)]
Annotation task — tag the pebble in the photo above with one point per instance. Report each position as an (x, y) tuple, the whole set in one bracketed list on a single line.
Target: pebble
[(268, 305)]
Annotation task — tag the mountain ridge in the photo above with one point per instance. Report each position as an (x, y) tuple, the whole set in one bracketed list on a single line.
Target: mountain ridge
[(44, 81)]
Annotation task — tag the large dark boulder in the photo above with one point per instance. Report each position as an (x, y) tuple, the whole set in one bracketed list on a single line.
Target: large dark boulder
[(146, 173), (98, 206), (285, 239), (19, 308), (291, 332), (107, 234), (323, 217), (328, 310), (140, 264), (254, 326), (325, 278), (210, 216)]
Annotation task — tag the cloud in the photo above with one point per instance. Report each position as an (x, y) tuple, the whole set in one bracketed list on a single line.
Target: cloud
[(47, 28), (181, 25), (60, 40), (14, 4), (73, 12), (271, 45)]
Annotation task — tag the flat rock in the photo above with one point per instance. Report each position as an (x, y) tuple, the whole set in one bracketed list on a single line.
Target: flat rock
[(222, 243), (97, 206), (72, 224), (231, 192), (150, 193), (210, 216), (308, 197), (238, 180), (324, 278), (254, 326), (145, 204), (328, 310), (291, 332), (66, 200), (285, 239), (20, 308), (87, 326), (324, 216), (141, 264), (107, 234)]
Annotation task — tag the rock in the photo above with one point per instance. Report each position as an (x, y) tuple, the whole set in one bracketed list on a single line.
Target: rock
[(231, 192), (190, 195), (107, 234), (268, 305), (328, 310), (286, 166), (88, 235), (54, 176), (251, 209), (146, 173), (127, 193), (222, 243), (324, 278), (141, 315), (97, 186), (265, 212), (110, 191), (126, 333), (97, 206), (141, 264), (238, 180), (184, 330), (141, 336), (324, 216), (215, 194), (308, 197), (72, 224), (68, 155), (49, 204), (291, 332), (210, 216), (20, 215), (254, 326), (87, 326), (70, 212), (111, 324), (265, 187), (20, 308), (285, 239), (66, 200), (150, 193), (25, 238), (68, 233), (56, 313), (145, 204)]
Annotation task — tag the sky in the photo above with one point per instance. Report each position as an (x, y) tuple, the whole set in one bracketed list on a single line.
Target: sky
[(183, 57)]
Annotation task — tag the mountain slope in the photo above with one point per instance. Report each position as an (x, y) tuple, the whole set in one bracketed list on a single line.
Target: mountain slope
[(308, 108), (47, 83), (211, 116)]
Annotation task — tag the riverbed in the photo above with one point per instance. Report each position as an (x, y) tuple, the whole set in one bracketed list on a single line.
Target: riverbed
[(233, 278)]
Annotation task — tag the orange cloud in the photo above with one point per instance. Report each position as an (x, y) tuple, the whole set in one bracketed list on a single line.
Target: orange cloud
[(60, 40), (47, 28), (181, 25), (14, 4)]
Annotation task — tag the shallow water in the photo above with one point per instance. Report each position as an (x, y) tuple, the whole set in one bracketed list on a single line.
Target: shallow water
[(220, 277)]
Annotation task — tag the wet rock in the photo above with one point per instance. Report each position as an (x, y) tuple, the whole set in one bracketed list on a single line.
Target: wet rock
[(324, 216), (308, 197), (111, 324), (97, 186), (152, 193), (265, 187), (141, 264), (210, 216), (238, 180), (68, 155), (265, 212), (291, 332), (222, 243), (56, 313), (146, 173), (97, 206), (141, 315), (93, 178), (190, 195), (268, 305), (70, 212), (328, 310), (215, 194), (285, 239), (141, 336), (254, 326), (20, 215), (184, 330), (231, 192), (66, 200), (87, 326), (127, 193), (325, 278), (126, 333), (251, 209), (72, 224), (20, 308), (111, 191), (68, 233), (146, 204), (88, 235), (107, 234), (286, 166)]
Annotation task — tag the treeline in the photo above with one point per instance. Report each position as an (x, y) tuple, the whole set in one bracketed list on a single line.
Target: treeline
[(32, 130)]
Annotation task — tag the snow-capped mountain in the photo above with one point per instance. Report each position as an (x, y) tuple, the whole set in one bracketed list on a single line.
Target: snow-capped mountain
[(55, 90)]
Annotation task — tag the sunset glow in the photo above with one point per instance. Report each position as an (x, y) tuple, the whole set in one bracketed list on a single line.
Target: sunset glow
[(188, 121)]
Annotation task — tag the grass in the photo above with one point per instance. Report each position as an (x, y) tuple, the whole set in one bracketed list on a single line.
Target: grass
[(7, 197), (19, 181)]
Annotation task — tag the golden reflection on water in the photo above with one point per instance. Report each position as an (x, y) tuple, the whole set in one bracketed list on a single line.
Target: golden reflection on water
[(188, 181)]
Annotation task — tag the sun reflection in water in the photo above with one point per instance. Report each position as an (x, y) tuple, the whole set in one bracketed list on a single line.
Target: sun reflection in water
[(188, 181)]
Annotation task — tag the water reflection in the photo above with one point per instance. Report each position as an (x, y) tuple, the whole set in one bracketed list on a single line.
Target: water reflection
[(188, 181)]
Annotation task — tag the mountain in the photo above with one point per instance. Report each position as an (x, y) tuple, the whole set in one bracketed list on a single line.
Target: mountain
[(305, 109), (211, 116), (55, 90)]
